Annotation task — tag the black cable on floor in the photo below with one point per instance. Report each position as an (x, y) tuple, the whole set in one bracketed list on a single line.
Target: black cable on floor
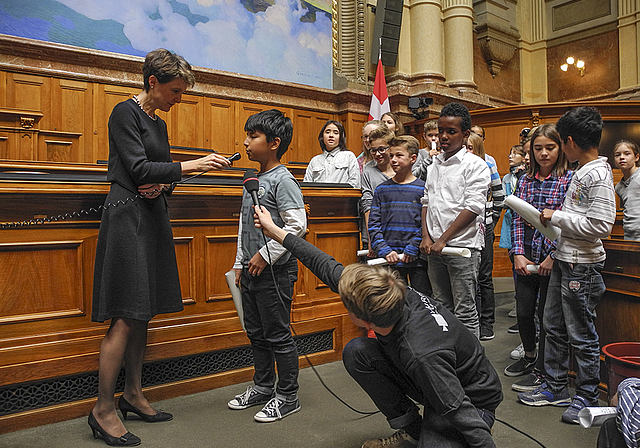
[(521, 432)]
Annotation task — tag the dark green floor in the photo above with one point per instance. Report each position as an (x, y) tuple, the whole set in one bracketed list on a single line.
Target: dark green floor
[(203, 420)]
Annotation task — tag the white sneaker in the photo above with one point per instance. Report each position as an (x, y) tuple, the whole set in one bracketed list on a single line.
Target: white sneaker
[(517, 353), (513, 312)]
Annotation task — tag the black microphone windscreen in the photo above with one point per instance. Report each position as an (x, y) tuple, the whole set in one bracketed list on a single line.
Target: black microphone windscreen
[(250, 181)]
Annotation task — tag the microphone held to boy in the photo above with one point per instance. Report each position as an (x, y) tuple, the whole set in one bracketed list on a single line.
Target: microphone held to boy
[(251, 184)]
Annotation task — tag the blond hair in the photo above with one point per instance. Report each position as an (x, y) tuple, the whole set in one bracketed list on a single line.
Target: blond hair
[(477, 143), (374, 294), (383, 133)]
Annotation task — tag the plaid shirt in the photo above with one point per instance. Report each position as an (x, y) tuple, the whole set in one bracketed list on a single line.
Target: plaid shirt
[(546, 193)]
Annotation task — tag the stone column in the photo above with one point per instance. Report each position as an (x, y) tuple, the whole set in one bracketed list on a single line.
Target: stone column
[(458, 43), (533, 52), (427, 55), (629, 44)]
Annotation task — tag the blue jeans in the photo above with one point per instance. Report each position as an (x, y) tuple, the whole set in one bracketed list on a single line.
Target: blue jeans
[(454, 281), (569, 319), (266, 319), (394, 393)]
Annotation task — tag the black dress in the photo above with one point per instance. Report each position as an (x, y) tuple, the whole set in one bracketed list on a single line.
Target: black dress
[(136, 274)]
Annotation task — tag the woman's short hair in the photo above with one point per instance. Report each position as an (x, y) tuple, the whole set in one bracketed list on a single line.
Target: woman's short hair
[(166, 66), (547, 130), (374, 294), (342, 141)]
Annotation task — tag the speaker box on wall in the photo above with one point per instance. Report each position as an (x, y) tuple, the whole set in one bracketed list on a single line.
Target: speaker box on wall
[(386, 30)]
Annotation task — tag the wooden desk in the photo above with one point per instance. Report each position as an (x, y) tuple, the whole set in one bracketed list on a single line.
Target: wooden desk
[(47, 339)]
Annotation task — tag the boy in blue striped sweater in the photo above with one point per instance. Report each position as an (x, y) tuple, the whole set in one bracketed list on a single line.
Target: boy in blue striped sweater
[(395, 230)]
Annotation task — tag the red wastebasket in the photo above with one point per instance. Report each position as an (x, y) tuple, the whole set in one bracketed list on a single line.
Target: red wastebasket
[(623, 361)]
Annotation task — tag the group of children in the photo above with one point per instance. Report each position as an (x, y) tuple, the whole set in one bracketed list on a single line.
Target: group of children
[(416, 203)]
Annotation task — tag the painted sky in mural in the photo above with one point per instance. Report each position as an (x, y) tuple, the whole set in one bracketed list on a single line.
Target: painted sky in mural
[(289, 40)]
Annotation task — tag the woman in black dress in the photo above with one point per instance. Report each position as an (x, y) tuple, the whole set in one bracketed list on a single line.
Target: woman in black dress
[(136, 274)]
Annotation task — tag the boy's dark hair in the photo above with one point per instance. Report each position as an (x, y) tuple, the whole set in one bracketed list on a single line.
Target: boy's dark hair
[(458, 110), (583, 124), (273, 124), (408, 142), (342, 141)]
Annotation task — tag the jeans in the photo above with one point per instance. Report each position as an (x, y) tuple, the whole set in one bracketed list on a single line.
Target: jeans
[(417, 277), (394, 393), (454, 280), (485, 300), (569, 319), (266, 318)]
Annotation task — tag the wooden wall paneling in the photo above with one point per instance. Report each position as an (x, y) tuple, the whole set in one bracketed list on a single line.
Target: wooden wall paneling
[(219, 256), (106, 98), (30, 92), (3, 87), (72, 102), (5, 141), (186, 259), (306, 127), (55, 146), (185, 122), (353, 124), (32, 289), (219, 129)]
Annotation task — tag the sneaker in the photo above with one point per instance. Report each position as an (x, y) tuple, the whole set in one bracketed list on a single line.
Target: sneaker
[(399, 439), (571, 414), (250, 397), (530, 382), (517, 352), (513, 312), (521, 367), (513, 329), (486, 334), (542, 396), (276, 409)]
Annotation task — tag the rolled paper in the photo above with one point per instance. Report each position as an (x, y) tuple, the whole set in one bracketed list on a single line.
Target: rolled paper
[(596, 416), (433, 145), (530, 214), (533, 268), (362, 253), (459, 251), (377, 261), (236, 295)]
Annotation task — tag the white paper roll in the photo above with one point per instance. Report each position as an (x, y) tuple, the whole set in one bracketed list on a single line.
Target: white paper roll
[(362, 253), (530, 214), (459, 251), (236, 295), (595, 416), (533, 268)]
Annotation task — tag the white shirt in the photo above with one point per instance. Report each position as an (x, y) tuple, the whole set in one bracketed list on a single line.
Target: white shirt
[(337, 166), (453, 185), (588, 213)]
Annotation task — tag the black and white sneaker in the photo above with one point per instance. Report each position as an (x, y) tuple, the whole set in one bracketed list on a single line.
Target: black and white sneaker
[(530, 382), (250, 397), (276, 409), (486, 334), (521, 367)]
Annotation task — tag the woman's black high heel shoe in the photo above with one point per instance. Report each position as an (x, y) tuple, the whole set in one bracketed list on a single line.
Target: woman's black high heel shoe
[(126, 407), (126, 440)]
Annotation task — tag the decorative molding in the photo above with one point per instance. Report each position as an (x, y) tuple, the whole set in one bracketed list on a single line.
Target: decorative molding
[(497, 46), (348, 43), (27, 122)]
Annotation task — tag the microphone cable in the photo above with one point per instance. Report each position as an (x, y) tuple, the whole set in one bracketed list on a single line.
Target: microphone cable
[(306, 357)]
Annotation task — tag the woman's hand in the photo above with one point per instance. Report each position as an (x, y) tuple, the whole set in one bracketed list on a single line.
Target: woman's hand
[(152, 191), (213, 161)]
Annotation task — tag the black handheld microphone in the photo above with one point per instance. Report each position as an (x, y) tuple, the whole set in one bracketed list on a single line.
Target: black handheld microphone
[(251, 184), (234, 157)]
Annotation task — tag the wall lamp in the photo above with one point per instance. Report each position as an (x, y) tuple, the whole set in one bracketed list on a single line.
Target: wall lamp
[(579, 64)]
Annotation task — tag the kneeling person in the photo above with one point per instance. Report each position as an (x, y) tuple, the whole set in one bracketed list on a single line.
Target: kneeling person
[(422, 353)]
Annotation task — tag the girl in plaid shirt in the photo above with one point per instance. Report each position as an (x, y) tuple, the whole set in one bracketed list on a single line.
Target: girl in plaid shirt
[(544, 186)]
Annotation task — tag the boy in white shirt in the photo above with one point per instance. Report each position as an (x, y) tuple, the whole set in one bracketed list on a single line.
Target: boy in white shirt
[(453, 215), (587, 215)]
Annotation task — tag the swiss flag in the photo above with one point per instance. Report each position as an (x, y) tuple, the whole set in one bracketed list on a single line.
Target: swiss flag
[(380, 99)]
